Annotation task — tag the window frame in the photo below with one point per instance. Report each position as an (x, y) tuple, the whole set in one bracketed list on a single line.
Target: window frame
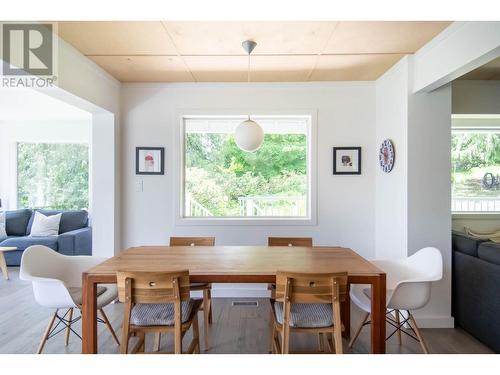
[(179, 169), (473, 124)]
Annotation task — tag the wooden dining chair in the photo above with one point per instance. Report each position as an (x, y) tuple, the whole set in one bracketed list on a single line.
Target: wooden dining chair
[(157, 302), (308, 303), (290, 241), (206, 288)]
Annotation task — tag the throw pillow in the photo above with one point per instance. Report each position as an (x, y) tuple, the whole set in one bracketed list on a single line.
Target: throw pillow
[(3, 232), (44, 226)]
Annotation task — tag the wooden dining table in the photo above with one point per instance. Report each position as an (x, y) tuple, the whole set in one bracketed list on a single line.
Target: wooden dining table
[(238, 264)]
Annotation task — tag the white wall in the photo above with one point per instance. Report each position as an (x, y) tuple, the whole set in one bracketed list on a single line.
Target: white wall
[(70, 130), (85, 85), (460, 48), (476, 97), (413, 201), (429, 192), (391, 188)]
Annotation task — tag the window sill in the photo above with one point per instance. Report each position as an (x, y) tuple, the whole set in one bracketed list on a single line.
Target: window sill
[(266, 221)]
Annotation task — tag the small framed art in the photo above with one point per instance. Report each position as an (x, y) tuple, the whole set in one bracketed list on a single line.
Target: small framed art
[(347, 160), (150, 160)]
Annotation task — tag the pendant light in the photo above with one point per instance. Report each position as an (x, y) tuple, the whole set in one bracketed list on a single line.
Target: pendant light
[(249, 135)]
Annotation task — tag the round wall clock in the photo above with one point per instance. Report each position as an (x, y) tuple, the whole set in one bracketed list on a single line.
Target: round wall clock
[(387, 155)]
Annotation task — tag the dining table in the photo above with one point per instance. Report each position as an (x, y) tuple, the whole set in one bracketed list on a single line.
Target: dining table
[(239, 264)]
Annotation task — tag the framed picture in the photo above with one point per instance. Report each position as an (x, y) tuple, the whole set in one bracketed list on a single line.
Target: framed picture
[(347, 160), (149, 160)]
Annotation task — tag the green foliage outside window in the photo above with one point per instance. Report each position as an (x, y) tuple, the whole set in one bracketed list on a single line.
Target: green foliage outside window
[(217, 172), (53, 175)]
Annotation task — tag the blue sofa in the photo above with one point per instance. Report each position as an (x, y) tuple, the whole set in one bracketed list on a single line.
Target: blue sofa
[(75, 236), (476, 288)]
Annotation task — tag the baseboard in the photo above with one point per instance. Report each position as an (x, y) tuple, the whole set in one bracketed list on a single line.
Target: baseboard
[(435, 321)]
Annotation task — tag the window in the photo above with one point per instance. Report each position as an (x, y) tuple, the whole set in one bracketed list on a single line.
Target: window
[(475, 155), (53, 175), (222, 181)]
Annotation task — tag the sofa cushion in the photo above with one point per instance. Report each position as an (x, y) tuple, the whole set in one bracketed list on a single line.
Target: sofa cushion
[(24, 242), (3, 232), (490, 252), (465, 244), (70, 220), (17, 222)]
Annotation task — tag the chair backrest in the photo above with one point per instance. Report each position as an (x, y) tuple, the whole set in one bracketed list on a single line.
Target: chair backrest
[(412, 278), (153, 287), (296, 287), (50, 274), (40, 261), (192, 241), (427, 264), (290, 241)]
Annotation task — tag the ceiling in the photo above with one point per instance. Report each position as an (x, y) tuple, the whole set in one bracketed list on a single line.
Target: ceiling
[(158, 51), (489, 71)]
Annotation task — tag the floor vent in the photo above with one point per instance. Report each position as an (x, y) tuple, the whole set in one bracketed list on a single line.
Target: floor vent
[(246, 303)]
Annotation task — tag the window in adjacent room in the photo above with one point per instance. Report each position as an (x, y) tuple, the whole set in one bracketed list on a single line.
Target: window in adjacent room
[(222, 181), (475, 156), (53, 175)]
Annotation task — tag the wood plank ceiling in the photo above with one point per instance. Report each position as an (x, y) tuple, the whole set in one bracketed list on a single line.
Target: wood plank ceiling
[(158, 51)]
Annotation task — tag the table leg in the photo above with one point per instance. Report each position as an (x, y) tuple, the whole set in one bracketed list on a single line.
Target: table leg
[(378, 314), (345, 308), (3, 266), (89, 315)]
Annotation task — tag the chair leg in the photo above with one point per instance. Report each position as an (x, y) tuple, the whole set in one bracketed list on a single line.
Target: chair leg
[(196, 335), (210, 317), (46, 333), (337, 331), (285, 332), (329, 341), (110, 327), (142, 338), (398, 322), (206, 317), (419, 334), (321, 342), (125, 332), (157, 342), (272, 330), (358, 331), (273, 337), (68, 328)]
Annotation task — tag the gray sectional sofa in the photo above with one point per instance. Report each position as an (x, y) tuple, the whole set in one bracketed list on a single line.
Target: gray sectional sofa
[(476, 288), (75, 235)]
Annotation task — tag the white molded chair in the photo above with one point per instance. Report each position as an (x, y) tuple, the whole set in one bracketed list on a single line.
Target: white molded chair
[(57, 283), (408, 288)]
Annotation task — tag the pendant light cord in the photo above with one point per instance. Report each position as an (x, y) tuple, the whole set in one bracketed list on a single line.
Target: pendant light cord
[(248, 76)]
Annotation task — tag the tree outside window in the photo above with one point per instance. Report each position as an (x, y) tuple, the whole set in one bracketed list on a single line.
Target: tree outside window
[(475, 156), (53, 175)]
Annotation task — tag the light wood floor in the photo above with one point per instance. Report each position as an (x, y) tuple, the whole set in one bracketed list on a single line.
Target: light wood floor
[(236, 329)]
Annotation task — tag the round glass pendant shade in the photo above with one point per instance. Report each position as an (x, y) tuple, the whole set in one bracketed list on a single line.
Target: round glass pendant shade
[(249, 136)]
